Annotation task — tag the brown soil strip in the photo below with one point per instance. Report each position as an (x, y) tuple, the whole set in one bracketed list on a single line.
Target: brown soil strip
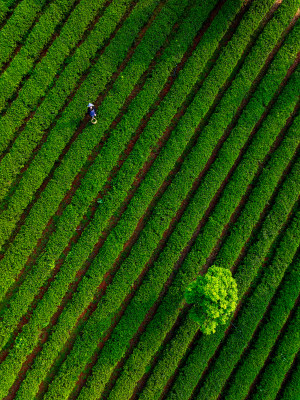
[(175, 71), (91, 158), (172, 379), (39, 58), (189, 52), (72, 287), (163, 93), (111, 279), (114, 171), (139, 387), (264, 214), (256, 335), (257, 127), (127, 249), (77, 330)]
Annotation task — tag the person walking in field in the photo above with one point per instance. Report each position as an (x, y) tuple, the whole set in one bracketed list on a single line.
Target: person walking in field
[(92, 113)]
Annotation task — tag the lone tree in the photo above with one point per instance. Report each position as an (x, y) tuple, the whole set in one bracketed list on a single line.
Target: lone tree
[(214, 297)]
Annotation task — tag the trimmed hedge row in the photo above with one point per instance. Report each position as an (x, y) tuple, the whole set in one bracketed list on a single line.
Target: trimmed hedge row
[(253, 311), (240, 233), (42, 76), (286, 350), (292, 388), (259, 349), (218, 219), (198, 359), (37, 39), (72, 216), (17, 26), (4, 9)]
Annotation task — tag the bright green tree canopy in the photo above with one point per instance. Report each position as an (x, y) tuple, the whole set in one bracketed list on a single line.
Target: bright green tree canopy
[(214, 297)]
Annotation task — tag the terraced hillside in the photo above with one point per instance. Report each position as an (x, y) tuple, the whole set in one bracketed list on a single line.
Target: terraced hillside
[(194, 162)]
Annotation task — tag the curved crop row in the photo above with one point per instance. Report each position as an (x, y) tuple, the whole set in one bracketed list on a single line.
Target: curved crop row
[(37, 39), (71, 218), (208, 182)]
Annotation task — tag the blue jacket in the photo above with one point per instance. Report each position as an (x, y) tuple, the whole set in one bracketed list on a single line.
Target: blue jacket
[(92, 112)]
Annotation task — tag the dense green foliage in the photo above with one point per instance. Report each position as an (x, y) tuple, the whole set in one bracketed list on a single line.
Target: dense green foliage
[(190, 179), (214, 298)]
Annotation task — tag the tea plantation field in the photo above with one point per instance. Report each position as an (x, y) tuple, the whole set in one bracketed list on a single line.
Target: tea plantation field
[(194, 161)]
